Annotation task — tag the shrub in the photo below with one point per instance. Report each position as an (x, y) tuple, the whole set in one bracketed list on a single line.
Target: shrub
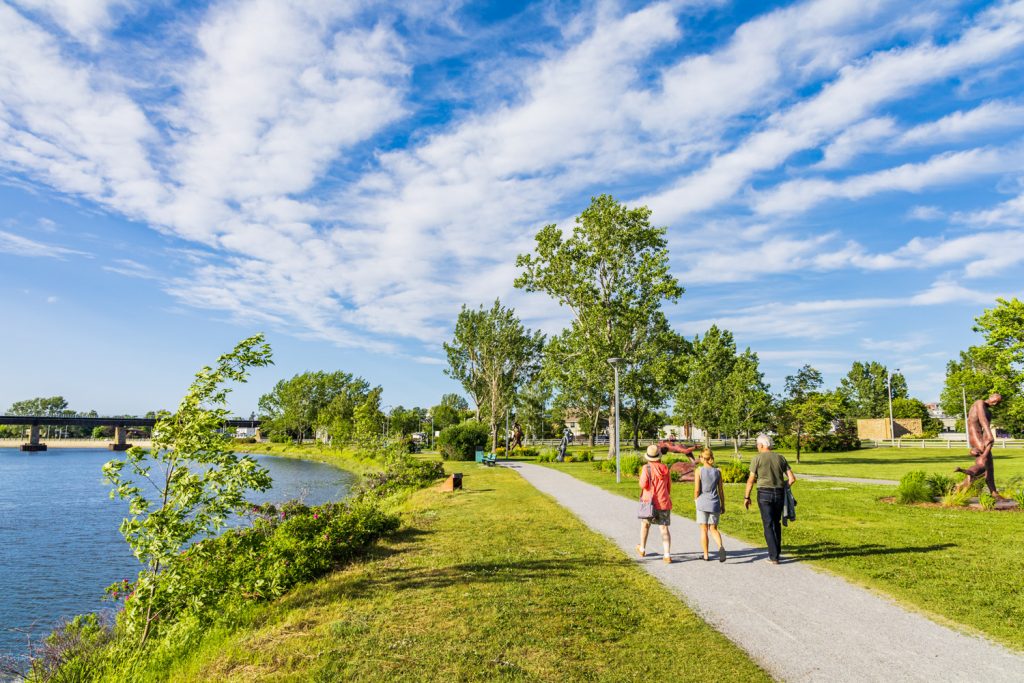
[(956, 499), (547, 456), (1018, 495), (734, 472), (914, 488), (462, 441), (630, 464), (583, 456), (244, 440), (940, 484), (528, 453), (987, 501), (843, 439)]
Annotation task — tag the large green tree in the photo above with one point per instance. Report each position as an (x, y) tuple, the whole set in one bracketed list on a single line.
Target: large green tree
[(612, 273), (49, 406), (804, 409), (309, 400), (578, 378), (995, 366), (492, 354), (338, 416), (866, 391), (532, 408), (650, 377), (701, 397), (368, 418), (448, 412), (748, 402)]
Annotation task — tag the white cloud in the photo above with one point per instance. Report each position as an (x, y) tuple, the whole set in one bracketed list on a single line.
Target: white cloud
[(859, 89), (1008, 213), (796, 196), (86, 20), (22, 246), (130, 268), (274, 97), (990, 116), (829, 318), (855, 139)]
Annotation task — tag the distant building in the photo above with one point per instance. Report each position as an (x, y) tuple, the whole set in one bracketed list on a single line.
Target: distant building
[(681, 432), (948, 421)]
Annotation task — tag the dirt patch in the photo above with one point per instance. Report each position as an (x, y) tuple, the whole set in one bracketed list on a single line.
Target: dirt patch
[(1002, 505)]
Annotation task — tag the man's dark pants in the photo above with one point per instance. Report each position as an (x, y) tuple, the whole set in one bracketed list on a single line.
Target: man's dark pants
[(770, 502)]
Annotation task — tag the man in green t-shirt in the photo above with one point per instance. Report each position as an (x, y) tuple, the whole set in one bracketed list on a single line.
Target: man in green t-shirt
[(772, 474)]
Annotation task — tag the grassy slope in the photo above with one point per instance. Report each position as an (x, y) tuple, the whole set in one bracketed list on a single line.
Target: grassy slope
[(961, 565), (493, 583)]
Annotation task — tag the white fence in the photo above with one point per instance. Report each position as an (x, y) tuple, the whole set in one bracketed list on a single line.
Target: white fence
[(951, 444)]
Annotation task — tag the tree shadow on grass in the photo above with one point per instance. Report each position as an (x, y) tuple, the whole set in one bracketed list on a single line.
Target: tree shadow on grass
[(827, 550), (953, 457), (470, 574)]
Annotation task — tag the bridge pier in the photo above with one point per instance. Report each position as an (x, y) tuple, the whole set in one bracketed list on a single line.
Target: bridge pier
[(120, 440), (33, 445)]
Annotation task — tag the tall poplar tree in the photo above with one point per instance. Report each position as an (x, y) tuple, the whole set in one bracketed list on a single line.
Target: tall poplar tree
[(612, 273), (492, 355)]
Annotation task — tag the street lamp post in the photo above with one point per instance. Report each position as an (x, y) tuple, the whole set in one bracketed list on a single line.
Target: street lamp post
[(892, 422), (618, 465), (967, 432)]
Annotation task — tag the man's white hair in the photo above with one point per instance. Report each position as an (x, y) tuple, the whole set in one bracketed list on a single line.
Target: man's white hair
[(764, 440)]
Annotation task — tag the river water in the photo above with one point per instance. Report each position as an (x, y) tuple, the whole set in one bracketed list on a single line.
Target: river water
[(59, 540)]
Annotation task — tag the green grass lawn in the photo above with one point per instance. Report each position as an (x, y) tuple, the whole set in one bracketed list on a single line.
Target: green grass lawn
[(893, 463), (960, 565), (496, 582), (882, 463)]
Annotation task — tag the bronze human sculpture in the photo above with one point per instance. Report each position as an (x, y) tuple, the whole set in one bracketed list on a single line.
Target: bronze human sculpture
[(517, 437), (980, 439)]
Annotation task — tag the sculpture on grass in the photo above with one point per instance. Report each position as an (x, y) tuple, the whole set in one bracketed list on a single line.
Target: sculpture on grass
[(980, 439)]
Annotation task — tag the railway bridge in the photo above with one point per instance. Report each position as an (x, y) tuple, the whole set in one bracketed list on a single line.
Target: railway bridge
[(120, 425)]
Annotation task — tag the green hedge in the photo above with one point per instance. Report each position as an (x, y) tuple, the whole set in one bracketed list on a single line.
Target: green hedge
[(462, 441)]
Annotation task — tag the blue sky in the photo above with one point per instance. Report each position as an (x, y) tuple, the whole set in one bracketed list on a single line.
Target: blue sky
[(841, 180)]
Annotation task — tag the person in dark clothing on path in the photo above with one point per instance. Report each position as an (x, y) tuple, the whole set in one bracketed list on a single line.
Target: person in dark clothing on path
[(772, 474)]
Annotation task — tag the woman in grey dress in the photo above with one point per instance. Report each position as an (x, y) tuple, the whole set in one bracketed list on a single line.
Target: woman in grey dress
[(709, 495)]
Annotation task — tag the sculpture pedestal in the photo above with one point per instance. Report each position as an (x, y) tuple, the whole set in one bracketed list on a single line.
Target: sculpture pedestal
[(682, 471)]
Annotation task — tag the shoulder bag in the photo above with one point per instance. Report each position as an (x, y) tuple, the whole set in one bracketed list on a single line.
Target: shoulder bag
[(646, 509)]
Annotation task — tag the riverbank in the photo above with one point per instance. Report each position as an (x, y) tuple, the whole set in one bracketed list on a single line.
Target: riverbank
[(494, 582), (344, 457)]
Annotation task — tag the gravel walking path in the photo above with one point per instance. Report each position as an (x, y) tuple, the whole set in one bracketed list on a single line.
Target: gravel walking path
[(798, 623)]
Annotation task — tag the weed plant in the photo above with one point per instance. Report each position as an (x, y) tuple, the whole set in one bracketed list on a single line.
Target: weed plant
[(734, 472)]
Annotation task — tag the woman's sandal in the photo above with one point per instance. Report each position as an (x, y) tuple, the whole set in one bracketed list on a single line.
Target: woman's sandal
[(640, 551), (667, 559)]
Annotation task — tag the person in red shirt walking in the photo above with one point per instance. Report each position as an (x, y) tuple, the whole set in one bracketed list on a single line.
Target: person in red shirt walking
[(656, 487)]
